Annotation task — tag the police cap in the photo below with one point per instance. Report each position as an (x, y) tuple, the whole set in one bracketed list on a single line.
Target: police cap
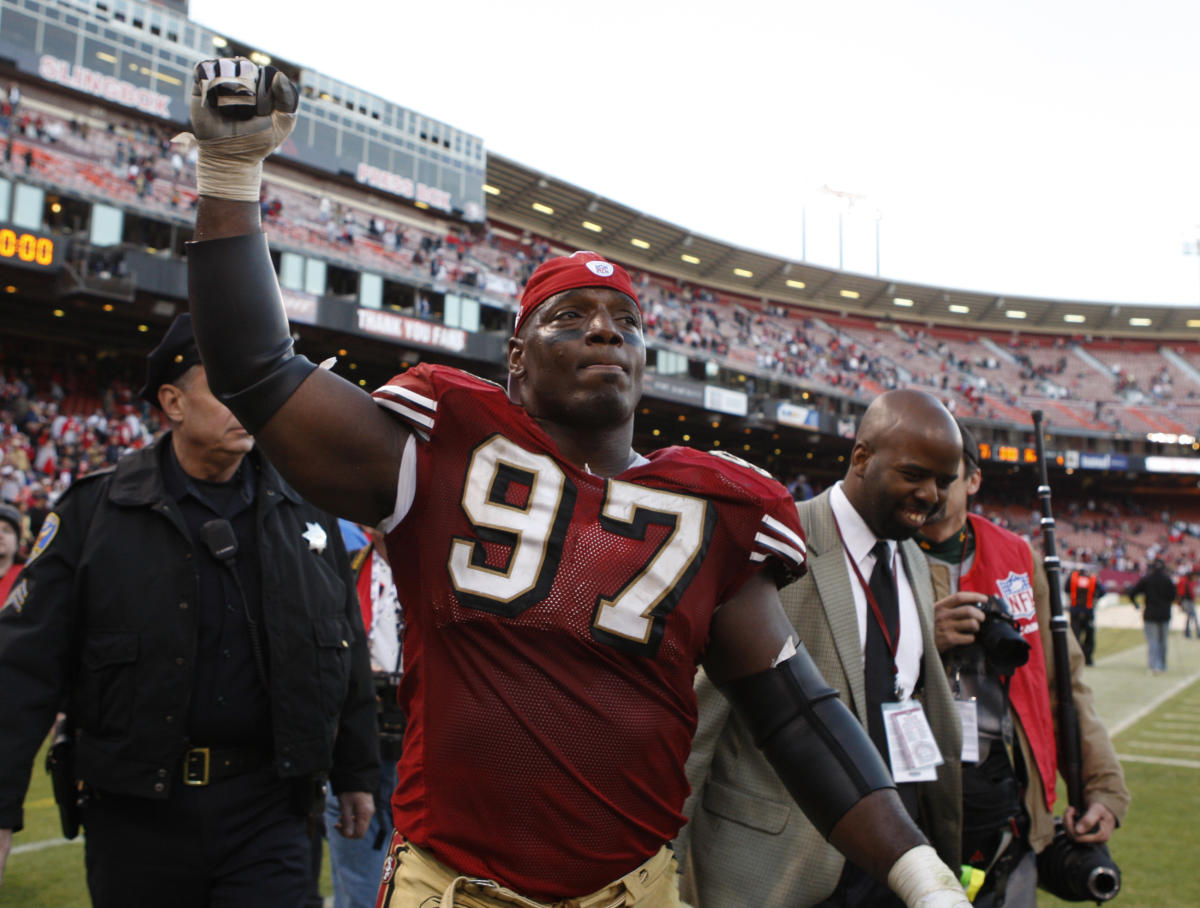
[(174, 355)]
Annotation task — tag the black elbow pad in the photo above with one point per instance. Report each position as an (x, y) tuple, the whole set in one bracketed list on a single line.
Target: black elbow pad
[(818, 748), (241, 327)]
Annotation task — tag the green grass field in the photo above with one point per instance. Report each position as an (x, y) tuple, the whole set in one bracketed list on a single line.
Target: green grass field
[(1154, 849)]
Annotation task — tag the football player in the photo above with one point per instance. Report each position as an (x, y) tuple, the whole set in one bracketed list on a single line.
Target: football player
[(560, 587)]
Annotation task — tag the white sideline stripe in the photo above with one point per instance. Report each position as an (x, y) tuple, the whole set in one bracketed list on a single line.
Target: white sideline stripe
[(776, 546), (419, 418), (1159, 761), (45, 843), (1153, 705), (411, 396), (782, 530)]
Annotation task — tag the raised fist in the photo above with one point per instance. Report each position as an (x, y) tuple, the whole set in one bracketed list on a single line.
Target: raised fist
[(241, 112)]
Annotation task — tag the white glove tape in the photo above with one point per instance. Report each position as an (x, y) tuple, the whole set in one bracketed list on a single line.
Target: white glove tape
[(922, 879)]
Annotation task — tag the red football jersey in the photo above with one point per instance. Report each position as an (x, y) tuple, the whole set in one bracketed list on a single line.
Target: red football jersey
[(555, 620)]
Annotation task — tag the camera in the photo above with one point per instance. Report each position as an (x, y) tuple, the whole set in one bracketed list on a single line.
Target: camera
[(1077, 871), (1000, 638)]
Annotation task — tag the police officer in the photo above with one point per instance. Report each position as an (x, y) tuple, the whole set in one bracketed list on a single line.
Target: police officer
[(198, 620)]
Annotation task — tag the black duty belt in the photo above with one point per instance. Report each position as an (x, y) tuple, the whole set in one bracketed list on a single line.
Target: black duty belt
[(205, 765)]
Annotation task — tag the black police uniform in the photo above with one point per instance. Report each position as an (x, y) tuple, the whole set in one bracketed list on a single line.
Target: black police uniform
[(199, 754)]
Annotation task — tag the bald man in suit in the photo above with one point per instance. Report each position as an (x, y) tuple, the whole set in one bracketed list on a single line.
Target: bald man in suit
[(747, 843)]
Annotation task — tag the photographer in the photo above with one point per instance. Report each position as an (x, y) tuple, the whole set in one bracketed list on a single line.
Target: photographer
[(993, 611)]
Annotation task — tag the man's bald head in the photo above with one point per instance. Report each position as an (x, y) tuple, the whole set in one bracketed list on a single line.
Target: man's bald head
[(906, 454), (895, 416)]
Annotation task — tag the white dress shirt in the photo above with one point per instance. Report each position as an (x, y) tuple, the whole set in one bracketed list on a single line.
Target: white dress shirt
[(858, 541)]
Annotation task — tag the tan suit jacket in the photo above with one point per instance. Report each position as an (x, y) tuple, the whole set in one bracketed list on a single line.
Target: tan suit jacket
[(747, 843)]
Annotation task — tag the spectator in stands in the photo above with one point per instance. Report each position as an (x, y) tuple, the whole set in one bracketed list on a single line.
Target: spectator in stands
[(1158, 591), (10, 549), (153, 603)]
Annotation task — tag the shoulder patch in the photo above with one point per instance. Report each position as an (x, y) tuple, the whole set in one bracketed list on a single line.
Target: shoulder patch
[(45, 536), (16, 599)]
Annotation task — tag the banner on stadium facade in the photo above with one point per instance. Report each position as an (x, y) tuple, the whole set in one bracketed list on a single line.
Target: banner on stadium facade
[(1102, 461), (678, 390), (52, 69), (1155, 464), (801, 417), (27, 249), (412, 330), (300, 307), (405, 187), (723, 400)]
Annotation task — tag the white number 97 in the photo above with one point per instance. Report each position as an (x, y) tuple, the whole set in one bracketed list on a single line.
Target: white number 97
[(533, 531)]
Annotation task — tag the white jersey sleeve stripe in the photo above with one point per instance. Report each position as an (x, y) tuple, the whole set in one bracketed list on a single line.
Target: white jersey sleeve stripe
[(408, 413), (781, 529), (412, 397), (406, 486), (779, 548)]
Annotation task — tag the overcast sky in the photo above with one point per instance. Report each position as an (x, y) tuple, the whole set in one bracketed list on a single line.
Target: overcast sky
[(1029, 147)]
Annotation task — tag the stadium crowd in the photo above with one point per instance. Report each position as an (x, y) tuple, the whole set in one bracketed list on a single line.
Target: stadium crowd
[(1085, 383)]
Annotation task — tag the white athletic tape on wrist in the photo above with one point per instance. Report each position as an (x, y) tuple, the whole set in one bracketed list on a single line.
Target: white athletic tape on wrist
[(922, 880)]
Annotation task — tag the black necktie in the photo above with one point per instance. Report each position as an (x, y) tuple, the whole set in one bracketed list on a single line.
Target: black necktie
[(877, 657), (878, 661)]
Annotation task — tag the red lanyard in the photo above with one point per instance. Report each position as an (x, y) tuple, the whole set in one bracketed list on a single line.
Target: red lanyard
[(892, 646)]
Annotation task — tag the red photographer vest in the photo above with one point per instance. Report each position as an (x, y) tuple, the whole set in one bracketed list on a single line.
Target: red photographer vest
[(1003, 567), (1083, 590)]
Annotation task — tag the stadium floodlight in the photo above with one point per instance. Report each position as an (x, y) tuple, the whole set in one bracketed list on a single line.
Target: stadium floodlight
[(1074, 318), (592, 226), (641, 244), (1138, 322), (543, 209), (902, 302), (850, 294), (959, 309), (218, 41), (742, 272), (1015, 313), (490, 189), (1193, 322), (257, 56), (690, 259), (799, 285)]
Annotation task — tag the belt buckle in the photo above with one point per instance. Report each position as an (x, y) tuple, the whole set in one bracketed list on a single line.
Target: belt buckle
[(196, 764)]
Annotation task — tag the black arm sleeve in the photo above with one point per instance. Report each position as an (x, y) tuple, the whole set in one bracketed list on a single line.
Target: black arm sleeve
[(819, 750), (241, 327)]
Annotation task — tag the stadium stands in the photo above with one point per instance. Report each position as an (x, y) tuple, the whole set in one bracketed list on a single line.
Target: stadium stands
[(1092, 386)]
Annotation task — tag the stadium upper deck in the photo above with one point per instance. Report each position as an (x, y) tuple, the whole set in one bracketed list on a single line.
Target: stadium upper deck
[(732, 331)]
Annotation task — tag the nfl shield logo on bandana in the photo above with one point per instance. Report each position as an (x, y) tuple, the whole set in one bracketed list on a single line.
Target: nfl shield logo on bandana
[(1018, 593), (600, 269)]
